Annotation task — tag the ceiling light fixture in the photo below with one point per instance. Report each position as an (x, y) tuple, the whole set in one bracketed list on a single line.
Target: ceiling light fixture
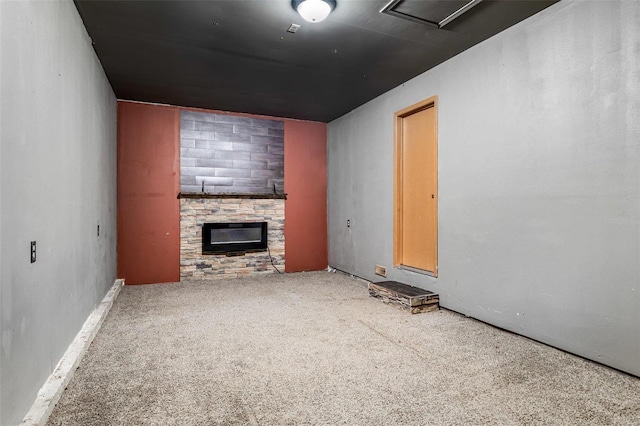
[(314, 10)]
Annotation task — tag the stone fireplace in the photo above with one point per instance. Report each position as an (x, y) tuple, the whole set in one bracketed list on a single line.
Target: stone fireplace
[(231, 171), (197, 209)]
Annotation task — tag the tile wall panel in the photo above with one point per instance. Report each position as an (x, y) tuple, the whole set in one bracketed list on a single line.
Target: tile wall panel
[(227, 153)]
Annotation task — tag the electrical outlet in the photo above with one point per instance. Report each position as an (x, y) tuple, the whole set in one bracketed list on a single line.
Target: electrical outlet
[(348, 223), (381, 270), (33, 251)]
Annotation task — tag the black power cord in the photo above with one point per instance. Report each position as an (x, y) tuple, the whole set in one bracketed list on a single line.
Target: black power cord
[(273, 264)]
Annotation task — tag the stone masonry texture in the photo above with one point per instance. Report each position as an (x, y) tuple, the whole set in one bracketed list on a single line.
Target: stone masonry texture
[(230, 153), (194, 212)]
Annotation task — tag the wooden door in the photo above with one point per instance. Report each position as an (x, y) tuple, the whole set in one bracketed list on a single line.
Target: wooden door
[(416, 206)]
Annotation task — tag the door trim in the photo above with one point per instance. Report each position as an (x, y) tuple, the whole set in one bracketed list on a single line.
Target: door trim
[(431, 102)]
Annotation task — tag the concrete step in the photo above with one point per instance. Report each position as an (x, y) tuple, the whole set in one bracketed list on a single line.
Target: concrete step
[(408, 298)]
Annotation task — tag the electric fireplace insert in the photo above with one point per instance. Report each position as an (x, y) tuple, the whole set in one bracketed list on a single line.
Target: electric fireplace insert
[(221, 238)]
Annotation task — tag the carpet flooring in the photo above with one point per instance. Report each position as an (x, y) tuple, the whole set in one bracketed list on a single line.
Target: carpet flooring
[(314, 348)]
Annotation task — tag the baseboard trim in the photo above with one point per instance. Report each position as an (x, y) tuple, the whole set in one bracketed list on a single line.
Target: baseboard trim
[(52, 389)]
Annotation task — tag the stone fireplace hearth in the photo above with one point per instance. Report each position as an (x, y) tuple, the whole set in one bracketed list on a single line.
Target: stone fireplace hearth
[(197, 208)]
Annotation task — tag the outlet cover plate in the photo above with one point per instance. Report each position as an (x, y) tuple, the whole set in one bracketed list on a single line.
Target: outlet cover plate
[(33, 252)]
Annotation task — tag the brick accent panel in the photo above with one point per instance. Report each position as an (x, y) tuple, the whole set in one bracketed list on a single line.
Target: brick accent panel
[(194, 212)]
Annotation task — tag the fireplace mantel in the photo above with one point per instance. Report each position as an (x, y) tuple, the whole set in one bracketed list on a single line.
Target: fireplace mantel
[(246, 196)]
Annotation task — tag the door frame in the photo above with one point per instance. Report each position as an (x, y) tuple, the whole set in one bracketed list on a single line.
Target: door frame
[(431, 102)]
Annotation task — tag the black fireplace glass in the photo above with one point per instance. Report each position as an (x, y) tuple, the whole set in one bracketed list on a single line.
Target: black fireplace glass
[(229, 237)]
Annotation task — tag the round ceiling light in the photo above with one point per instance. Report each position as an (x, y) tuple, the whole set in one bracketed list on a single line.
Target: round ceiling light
[(314, 10)]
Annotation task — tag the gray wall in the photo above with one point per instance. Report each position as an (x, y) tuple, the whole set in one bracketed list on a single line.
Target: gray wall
[(58, 182), (1, 143), (230, 153), (539, 181)]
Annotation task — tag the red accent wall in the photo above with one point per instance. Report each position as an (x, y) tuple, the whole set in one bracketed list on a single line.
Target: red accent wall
[(149, 183), (305, 182), (148, 186)]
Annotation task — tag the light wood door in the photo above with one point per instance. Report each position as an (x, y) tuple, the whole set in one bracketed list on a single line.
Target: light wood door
[(416, 188)]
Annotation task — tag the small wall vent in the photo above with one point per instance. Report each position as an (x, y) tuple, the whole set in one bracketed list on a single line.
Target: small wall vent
[(381, 270), (293, 28)]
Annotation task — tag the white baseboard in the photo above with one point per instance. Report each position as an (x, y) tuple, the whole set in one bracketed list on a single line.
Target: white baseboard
[(51, 391)]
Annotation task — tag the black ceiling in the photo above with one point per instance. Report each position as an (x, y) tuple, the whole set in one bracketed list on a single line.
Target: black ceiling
[(237, 55)]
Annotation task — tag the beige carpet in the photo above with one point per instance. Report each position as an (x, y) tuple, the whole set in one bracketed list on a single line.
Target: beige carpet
[(313, 348)]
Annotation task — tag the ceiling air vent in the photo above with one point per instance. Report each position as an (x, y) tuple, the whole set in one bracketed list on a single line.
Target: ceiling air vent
[(436, 13), (293, 28)]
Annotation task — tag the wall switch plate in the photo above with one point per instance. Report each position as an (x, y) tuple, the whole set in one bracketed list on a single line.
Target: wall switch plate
[(381, 270), (33, 251)]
